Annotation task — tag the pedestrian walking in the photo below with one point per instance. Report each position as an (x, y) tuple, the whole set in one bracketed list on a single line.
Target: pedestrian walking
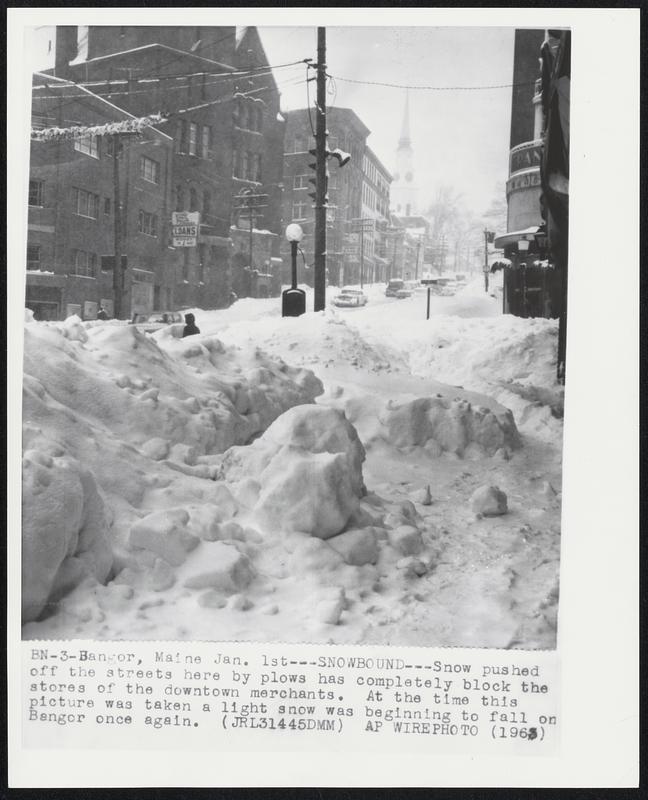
[(101, 314)]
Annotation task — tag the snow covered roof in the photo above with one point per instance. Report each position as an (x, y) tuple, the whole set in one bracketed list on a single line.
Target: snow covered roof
[(241, 30)]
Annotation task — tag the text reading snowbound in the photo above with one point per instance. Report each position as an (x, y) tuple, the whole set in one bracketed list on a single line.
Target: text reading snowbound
[(156, 693)]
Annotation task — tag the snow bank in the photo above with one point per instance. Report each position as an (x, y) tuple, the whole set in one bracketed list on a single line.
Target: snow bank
[(110, 414), (65, 534), (308, 465), (453, 425)]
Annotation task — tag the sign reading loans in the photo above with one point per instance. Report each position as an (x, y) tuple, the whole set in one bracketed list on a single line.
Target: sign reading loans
[(185, 226)]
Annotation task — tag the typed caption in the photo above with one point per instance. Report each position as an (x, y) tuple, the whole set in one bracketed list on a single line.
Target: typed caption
[(197, 694)]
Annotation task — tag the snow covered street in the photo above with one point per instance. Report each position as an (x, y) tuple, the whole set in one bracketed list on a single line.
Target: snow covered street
[(312, 479)]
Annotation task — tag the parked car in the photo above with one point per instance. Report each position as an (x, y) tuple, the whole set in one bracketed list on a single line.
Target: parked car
[(350, 298), (393, 287), (408, 289), (156, 320)]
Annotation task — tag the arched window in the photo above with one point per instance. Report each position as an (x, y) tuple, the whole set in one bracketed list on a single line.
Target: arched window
[(242, 114), (179, 198)]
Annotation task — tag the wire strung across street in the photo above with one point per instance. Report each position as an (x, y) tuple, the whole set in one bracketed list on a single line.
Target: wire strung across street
[(431, 88), (50, 134)]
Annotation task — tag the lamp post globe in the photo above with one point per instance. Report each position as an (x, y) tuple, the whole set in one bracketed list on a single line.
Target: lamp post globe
[(294, 233)]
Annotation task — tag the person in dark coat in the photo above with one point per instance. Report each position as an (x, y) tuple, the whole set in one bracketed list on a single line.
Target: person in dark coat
[(101, 314), (190, 327)]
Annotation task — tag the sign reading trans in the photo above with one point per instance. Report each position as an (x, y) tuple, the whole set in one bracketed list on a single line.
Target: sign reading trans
[(185, 226)]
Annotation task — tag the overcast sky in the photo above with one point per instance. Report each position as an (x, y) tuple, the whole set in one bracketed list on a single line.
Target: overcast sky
[(460, 137)]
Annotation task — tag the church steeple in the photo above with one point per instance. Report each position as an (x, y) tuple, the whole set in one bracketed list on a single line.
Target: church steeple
[(405, 140), (404, 192)]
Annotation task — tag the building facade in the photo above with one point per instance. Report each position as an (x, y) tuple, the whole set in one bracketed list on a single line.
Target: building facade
[(70, 233), (345, 186), (531, 285), (221, 115), (374, 211)]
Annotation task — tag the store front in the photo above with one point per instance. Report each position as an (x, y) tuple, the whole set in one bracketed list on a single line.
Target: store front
[(531, 285)]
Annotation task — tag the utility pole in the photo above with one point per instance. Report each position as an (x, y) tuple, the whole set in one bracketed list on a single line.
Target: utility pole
[(361, 253), (489, 236), (118, 270), (418, 251), (320, 176)]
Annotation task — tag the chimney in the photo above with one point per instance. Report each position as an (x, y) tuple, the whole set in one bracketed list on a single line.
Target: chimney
[(66, 49)]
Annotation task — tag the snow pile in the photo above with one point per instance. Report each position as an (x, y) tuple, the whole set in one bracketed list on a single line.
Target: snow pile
[(113, 415), (308, 466), (65, 533), (453, 426), (193, 489)]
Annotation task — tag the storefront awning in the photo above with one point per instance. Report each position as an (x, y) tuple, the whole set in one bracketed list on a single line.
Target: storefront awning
[(513, 237)]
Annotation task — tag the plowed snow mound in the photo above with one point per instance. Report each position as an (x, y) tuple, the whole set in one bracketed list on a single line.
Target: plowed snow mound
[(112, 414), (509, 358)]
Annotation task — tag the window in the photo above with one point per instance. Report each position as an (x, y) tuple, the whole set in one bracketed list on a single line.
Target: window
[(300, 210), (185, 263), (181, 136), (256, 117), (255, 167), (86, 203), (33, 256), (35, 193), (244, 165), (193, 138), (149, 169), (242, 114), (110, 145), (202, 256), (88, 145), (107, 206), (301, 181), (206, 141), (179, 196), (147, 223), (299, 145), (235, 164), (206, 203), (193, 199), (84, 263)]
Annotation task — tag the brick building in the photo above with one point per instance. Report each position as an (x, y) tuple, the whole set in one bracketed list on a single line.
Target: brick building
[(226, 135), (349, 133), (70, 234), (358, 205)]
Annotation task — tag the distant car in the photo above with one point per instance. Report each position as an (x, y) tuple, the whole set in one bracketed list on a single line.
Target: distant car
[(156, 320), (408, 289), (393, 287), (350, 298)]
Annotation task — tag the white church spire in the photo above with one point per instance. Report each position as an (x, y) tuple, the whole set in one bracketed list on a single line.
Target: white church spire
[(404, 192)]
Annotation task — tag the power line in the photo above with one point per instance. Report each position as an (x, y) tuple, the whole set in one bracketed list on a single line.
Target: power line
[(250, 73), (431, 88), (117, 93), (167, 116)]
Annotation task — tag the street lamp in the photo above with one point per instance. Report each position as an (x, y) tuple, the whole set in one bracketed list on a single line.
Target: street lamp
[(523, 245), (293, 300)]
